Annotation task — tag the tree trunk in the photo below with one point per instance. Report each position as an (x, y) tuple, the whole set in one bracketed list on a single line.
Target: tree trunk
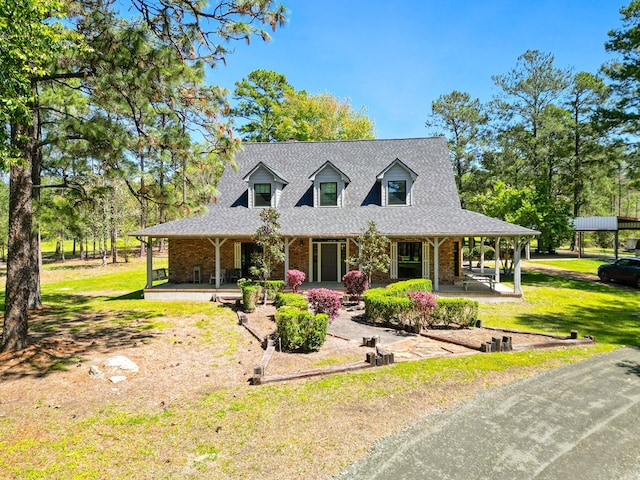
[(114, 231), (19, 259), (34, 156)]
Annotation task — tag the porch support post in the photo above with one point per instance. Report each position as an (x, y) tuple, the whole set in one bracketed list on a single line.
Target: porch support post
[(149, 263), (516, 266), (359, 252), (481, 254), (497, 260), (435, 243), (217, 243), (287, 244)]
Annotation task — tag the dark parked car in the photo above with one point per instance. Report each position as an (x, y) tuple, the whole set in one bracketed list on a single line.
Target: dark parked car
[(625, 270)]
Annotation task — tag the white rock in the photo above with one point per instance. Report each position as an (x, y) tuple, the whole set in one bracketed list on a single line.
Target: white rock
[(117, 378), (95, 372), (121, 363)]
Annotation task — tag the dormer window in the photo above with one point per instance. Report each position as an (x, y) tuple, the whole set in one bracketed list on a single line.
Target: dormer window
[(397, 192), (328, 194), (262, 195), (329, 184), (264, 186), (397, 184)]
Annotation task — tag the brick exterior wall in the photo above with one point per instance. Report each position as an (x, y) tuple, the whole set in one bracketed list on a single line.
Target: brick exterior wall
[(184, 254)]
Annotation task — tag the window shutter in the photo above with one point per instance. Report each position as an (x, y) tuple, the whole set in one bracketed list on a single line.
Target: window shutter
[(237, 255), (425, 260), (393, 271)]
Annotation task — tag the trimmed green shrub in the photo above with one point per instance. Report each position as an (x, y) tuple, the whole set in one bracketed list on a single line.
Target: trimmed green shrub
[(461, 311), (301, 331), (274, 287), (381, 306), (390, 305), (251, 292), (400, 289), (291, 300)]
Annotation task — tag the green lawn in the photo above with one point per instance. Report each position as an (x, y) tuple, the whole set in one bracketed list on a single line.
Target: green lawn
[(583, 265), (555, 304)]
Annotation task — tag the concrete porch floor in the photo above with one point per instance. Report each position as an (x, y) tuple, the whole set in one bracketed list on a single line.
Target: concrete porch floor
[(205, 292)]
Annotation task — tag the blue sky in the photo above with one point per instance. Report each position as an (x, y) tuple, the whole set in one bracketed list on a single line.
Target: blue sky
[(395, 57)]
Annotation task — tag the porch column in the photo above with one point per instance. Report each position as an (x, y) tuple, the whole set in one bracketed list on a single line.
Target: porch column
[(149, 263), (481, 254), (435, 243), (287, 244), (217, 243), (497, 260), (516, 266), (359, 251)]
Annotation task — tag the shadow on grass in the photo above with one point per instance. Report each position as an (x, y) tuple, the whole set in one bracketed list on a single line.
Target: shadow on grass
[(135, 295), (614, 322), (67, 329)]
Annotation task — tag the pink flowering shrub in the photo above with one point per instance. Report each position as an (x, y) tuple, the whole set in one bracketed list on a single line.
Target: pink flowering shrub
[(323, 300), (295, 279), (422, 306), (356, 283)]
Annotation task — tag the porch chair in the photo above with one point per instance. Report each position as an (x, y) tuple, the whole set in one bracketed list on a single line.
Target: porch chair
[(235, 275), (223, 276)]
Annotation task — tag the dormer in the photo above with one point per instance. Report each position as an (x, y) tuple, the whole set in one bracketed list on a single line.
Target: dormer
[(329, 184), (397, 184), (265, 186)]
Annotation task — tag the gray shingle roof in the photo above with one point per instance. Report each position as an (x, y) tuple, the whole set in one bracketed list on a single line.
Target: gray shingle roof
[(436, 210)]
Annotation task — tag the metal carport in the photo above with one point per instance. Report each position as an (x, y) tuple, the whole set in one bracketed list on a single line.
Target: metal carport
[(604, 224)]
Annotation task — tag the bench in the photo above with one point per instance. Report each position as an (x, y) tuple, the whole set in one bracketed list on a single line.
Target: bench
[(160, 274), (486, 278)]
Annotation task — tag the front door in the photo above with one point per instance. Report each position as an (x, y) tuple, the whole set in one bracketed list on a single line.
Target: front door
[(329, 262), (247, 250)]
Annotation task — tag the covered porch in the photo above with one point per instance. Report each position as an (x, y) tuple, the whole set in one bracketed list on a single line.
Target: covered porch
[(207, 268), (167, 291)]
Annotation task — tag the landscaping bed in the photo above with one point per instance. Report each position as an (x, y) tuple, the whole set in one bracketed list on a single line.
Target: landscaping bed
[(344, 344)]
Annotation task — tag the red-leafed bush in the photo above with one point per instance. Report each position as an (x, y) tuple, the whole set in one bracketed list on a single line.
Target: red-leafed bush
[(423, 304), (356, 283), (295, 279), (323, 300)]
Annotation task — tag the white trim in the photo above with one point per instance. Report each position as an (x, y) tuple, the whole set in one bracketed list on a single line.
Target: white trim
[(237, 255), (425, 260), (435, 243), (393, 268), (497, 260)]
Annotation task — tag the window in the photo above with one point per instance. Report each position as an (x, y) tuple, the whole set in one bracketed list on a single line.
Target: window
[(262, 195), (328, 194), (409, 259), (397, 192)]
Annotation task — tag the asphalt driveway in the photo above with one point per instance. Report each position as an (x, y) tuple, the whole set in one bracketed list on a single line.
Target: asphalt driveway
[(580, 421)]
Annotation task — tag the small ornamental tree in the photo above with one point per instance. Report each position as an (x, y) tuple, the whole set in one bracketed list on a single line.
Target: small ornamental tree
[(422, 304), (356, 283), (295, 279), (372, 256), (271, 247), (323, 300)]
